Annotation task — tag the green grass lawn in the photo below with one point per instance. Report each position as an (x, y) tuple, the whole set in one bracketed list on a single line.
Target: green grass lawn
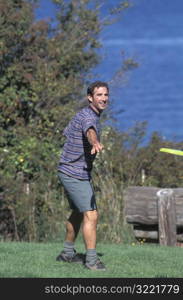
[(31, 260)]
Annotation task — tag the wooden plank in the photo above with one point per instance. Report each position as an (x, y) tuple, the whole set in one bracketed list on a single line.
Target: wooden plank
[(141, 206), (153, 235), (166, 217), (147, 235)]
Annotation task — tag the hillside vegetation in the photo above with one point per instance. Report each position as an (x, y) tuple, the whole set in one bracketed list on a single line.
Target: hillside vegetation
[(43, 80)]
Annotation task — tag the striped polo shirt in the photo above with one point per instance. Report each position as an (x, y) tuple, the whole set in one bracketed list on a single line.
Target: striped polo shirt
[(76, 159)]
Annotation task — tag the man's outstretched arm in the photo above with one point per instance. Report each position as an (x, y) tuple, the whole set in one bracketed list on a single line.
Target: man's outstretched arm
[(93, 140)]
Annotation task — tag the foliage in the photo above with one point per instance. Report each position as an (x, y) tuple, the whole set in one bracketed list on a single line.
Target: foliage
[(43, 69)]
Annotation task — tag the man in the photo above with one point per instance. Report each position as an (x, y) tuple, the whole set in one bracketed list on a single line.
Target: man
[(81, 146)]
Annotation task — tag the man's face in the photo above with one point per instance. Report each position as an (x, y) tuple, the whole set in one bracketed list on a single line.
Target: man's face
[(99, 99)]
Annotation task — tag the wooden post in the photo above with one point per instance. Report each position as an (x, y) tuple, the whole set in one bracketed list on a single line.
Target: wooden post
[(166, 218)]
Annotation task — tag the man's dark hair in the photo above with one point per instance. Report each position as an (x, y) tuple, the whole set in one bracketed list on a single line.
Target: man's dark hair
[(96, 84)]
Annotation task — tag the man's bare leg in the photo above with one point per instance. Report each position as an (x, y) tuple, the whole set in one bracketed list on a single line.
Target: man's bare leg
[(72, 228), (73, 225), (90, 220), (89, 234)]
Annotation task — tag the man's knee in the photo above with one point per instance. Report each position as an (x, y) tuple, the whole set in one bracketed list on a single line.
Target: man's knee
[(91, 216)]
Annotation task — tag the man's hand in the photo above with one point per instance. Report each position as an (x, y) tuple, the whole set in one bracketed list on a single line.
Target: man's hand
[(97, 148), (93, 140)]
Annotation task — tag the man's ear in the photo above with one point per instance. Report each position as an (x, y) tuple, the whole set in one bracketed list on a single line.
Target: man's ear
[(90, 99)]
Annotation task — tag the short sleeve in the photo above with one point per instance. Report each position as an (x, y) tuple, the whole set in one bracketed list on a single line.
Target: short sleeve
[(88, 123)]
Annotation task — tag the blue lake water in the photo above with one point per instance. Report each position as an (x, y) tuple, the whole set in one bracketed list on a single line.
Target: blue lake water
[(151, 32)]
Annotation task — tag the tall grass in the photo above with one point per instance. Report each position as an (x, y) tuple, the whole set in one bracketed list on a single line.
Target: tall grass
[(40, 208), (36, 208), (111, 226)]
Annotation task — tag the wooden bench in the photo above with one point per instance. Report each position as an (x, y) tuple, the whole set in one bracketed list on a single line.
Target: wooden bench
[(156, 214)]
